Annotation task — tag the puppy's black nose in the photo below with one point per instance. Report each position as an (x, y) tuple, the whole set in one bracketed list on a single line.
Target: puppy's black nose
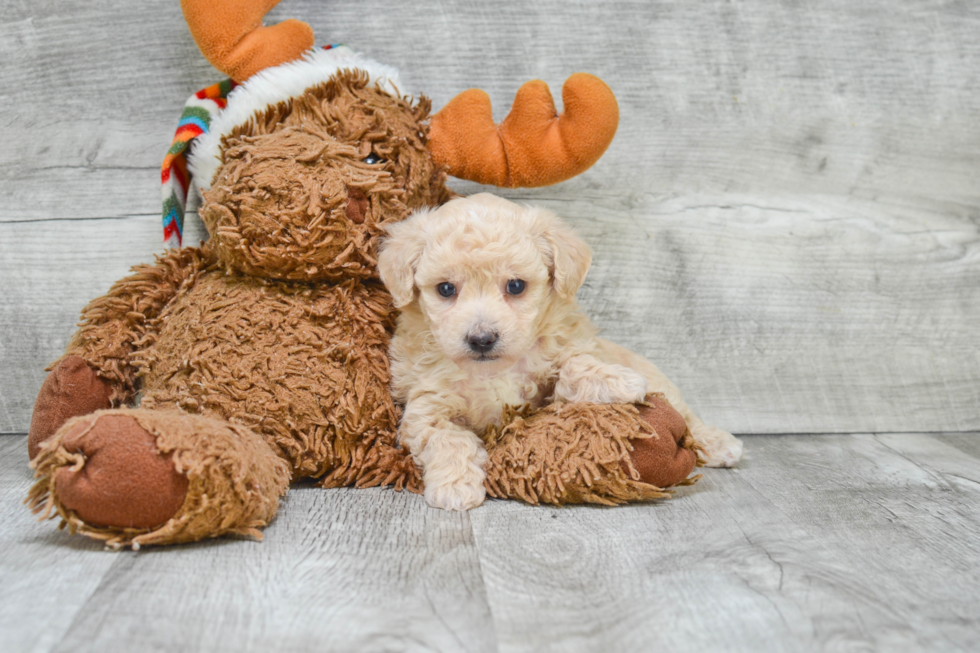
[(481, 341)]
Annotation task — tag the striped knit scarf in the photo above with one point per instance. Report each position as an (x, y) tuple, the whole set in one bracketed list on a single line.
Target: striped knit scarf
[(199, 110)]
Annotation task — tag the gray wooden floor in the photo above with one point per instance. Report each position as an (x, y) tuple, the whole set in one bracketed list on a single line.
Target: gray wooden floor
[(788, 224), (832, 542)]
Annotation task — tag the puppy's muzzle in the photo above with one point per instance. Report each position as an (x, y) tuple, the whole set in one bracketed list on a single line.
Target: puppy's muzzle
[(481, 342)]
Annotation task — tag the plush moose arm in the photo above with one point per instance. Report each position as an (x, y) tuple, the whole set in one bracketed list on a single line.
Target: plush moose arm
[(95, 371), (113, 323)]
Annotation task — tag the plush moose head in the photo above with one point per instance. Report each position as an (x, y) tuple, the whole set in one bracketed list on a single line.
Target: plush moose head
[(318, 149), (303, 188)]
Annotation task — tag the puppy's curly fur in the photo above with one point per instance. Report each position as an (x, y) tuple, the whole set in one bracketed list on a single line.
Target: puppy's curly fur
[(489, 319)]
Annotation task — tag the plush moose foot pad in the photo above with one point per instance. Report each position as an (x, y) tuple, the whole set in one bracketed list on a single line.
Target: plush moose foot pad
[(590, 453), (668, 458), (136, 477), (72, 388), (120, 478)]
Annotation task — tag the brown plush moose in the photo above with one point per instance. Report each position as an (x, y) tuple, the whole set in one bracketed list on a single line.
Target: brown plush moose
[(201, 385)]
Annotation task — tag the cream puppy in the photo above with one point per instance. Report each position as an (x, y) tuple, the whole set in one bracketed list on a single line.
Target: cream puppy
[(488, 318)]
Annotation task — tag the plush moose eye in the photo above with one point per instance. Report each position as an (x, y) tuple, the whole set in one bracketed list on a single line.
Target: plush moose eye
[(446, 289), (515, 286), (372, 158)]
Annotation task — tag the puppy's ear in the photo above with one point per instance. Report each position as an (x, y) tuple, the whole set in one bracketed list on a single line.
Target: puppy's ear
[(398, 257), (567, 255)]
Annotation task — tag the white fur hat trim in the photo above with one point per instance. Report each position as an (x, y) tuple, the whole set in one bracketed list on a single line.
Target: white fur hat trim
[(272, 86)]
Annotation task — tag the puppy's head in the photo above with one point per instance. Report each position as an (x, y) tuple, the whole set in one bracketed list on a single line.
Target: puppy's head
[(484, 272)]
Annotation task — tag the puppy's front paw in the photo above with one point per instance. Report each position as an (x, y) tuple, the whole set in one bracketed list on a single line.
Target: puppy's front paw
[(721, 448), (459, 494), (632, 387), (452, 469), (585, 379)]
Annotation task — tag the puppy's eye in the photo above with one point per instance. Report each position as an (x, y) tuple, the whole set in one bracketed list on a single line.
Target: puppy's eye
[(372, 158), (446, 289), (515, 286)]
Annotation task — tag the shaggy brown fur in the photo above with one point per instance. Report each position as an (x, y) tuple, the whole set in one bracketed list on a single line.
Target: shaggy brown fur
[(210, 330), (304, 365), (112, 324)]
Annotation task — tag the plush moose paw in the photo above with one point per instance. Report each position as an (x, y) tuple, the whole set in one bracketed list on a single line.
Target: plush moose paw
[(566, 453), (121, 479), (663, 460), (140, 476), (71, 389), (721, 448)]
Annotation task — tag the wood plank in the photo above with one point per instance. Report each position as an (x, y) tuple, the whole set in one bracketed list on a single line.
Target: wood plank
[(47, 576), (965, 442), (903, 509), (940, 455), (821, 97), (91, 99), (754, 249), (346, 569), (352, 570), (816, 543), (819, 314), (768, 325), (804, 314)]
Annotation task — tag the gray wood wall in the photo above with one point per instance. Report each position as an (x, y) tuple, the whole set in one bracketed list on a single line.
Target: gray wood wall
[(788, 222)]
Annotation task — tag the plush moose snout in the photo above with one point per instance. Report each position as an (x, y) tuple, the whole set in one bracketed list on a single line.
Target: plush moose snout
[(357, 205)]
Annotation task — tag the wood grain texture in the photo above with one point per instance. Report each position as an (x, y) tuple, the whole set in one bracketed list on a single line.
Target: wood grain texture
[(46, 576), (339, 570), (91, 96), (834, 542), (851, 542)]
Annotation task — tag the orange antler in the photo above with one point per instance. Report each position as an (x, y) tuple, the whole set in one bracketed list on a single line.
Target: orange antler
[(231, 36), (533, 146)]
